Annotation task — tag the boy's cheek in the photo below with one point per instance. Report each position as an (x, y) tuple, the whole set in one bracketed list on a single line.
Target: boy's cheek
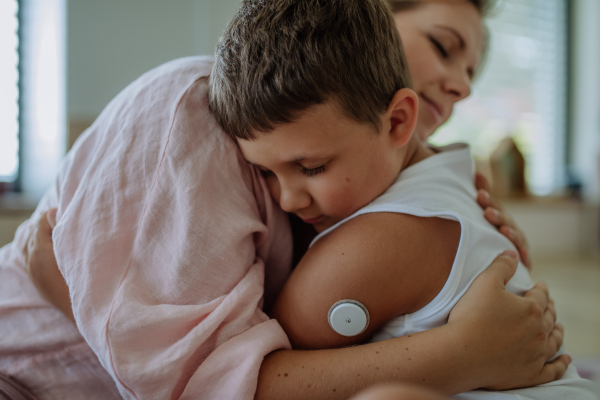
[(340, 202)]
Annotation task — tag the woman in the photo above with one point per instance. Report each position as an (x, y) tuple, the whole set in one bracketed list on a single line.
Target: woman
[(132, 349)]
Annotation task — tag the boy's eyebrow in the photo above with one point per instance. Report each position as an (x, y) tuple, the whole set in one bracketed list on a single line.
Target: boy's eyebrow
[(455, 32), (297, 159), (303, 157)]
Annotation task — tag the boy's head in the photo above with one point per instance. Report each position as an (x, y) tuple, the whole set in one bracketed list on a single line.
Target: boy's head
[(316, 92), (279, 57)]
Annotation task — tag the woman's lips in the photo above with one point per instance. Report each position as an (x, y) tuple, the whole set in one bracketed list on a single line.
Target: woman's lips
[(435, 109), (312, 220)]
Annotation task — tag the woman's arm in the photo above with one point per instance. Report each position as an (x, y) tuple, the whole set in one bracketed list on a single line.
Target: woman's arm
[(475, 349)]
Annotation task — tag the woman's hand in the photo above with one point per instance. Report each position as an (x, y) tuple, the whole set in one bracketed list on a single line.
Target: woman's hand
[(500, 219), (42, 266), (511, 337)]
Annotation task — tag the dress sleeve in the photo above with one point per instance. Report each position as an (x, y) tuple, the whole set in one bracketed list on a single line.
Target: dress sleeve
[(163, 235)]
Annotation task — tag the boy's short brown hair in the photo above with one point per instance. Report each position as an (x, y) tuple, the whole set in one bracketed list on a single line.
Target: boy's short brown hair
[(279, 57)]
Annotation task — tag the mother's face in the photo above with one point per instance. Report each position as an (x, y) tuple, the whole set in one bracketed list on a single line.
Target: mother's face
[(443, 44)]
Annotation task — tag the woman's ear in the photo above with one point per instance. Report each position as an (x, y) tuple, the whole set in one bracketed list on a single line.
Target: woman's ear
[(402, 115)]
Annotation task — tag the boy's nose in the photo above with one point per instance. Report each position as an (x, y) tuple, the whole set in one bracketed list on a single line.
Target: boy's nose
[(292, 199)]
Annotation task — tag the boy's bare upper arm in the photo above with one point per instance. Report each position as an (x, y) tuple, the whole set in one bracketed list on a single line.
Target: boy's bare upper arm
[(392, 263)]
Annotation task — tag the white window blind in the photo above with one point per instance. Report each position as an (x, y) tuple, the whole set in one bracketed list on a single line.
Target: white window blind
[(43, 113), (9, 91), (521, 92)]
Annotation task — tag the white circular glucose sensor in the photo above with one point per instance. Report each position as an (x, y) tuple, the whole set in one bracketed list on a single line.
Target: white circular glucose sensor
[(348, 317)]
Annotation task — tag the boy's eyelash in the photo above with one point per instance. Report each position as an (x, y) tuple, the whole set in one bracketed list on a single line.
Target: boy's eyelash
[(439, 46), (313, 171), (306, 171)]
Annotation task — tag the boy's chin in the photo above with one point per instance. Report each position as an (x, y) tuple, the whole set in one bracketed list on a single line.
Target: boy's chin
[(323, 225)]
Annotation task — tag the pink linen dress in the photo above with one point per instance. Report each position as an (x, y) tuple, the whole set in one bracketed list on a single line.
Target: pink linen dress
[(164, 235)]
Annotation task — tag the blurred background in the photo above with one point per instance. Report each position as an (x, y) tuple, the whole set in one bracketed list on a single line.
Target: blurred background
[(533, 119)]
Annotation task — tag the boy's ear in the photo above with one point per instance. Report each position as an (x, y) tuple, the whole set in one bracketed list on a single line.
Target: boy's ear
[(402, 114)]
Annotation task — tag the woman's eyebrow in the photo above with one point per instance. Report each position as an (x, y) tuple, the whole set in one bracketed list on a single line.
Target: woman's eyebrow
[(461, 40)]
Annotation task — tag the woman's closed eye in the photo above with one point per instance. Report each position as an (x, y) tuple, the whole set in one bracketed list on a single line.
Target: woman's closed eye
[(439, 46)]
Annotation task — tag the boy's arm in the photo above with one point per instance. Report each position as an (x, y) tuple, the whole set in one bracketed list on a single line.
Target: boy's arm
[(392, 263)]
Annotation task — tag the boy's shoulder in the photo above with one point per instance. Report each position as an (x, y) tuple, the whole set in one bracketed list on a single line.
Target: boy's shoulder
[(392, 263)]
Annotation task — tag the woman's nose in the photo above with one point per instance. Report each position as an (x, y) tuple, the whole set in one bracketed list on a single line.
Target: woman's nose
[(293, 198), (458, 84)]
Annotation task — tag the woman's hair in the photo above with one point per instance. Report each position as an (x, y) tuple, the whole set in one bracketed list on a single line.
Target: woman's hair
[(483, 6)]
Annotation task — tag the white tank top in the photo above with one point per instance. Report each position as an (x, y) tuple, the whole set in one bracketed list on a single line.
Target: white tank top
[(442, 186)]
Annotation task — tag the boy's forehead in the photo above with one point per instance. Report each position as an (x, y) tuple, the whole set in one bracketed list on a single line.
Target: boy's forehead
[(317, 132), (282, 146)]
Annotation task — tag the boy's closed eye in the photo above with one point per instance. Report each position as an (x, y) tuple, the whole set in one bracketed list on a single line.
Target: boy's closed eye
[(306, 171), (312, 171)]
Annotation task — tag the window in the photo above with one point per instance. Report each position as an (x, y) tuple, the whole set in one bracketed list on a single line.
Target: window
[(9, 92), (522, 92), (32, 94)]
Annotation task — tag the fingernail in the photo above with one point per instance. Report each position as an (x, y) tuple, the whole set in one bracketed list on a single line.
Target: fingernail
[(486, 195), (53, 212), (496, 213), (511, 253), (569, 358)]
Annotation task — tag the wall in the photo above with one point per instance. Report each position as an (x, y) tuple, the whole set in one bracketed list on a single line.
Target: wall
[(112, 42), (109, 44)]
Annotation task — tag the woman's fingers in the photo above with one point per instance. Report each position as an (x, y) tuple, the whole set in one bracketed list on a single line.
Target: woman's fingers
[(550, 316), (506, 226), (481, 182), (540, 294), (524, 254), (504, 267), (485, 200), (555, 341), (553, 370), (514, 236)]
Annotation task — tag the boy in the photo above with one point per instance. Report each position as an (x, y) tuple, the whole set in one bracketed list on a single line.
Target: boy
[(317, 95)]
